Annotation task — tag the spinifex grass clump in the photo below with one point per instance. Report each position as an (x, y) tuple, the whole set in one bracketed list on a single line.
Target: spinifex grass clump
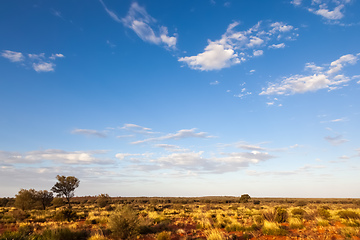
[(296, 223), (214, 234), (124, 223), (281, 215), (348, 214), (272, 228), (298, 212)]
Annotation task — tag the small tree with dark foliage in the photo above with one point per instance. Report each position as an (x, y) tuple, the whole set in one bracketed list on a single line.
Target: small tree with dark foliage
[(26, 199), (45, 198), (65, 187)]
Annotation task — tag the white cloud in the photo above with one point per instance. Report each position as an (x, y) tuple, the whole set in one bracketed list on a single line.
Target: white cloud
[(144, 26), (136, 128), (44, 67), (235, 47), (339, 120), (171, 148), (296, 2), (330, 15), (215, 57), (57, 55), (215, 83), (337, 140), (184, 133), (37, 61), (55, 155), (277, 46), (89, 132), (250, 147), (258, 53), (330, 79), (254, 42), (122, 156), (331, 11), (252, 71), (13, 56), (197, 163)]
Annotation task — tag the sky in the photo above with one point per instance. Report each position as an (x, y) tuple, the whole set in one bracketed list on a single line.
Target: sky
[(181, 98)]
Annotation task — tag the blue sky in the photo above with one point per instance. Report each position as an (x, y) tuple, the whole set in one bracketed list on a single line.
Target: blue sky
[(181, 98)]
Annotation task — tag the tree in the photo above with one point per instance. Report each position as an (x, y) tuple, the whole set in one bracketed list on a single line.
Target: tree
[(103, 200), (65, 187), (245, 198), (45, 198), (25, 199)]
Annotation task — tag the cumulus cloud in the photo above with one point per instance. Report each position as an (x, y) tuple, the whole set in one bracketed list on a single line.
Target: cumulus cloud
[(276, 46), (89, 132), (184, 133), (144, 25), (13, 56), (258, 53), (38, 62), (44, 67), (320, 78), (235, 46)]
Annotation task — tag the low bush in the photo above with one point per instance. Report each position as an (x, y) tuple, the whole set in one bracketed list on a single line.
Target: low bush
[(272, 228), (124, 223), (347, 214), (62, 234), (66, 214), (214, 234), (165, 235), (298, 212), (281, 215)]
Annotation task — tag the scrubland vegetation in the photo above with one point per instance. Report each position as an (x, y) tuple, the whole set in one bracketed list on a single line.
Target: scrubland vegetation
[(215, 218)]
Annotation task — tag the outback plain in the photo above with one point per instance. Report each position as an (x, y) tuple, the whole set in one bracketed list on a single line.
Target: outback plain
[(214, 218)]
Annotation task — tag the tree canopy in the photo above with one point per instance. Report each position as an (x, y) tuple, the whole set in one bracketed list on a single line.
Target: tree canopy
[(65, 187)]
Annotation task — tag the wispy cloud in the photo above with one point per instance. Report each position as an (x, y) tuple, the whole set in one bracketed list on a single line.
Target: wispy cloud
[(136, 128), (337, 140), (184, 133), (235, 46), (37, 61), (89, 132), (144, 25), (171, 148), (198, 164), (320, 78), (54, 155)]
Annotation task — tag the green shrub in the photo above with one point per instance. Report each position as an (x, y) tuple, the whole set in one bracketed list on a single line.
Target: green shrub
[(165, 235), (124, 223), (19, 215), (66, 214), (103, 200), (281, 215), (301, 203), (63, 234), (324, 213), (244, 198), (298, 212)]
